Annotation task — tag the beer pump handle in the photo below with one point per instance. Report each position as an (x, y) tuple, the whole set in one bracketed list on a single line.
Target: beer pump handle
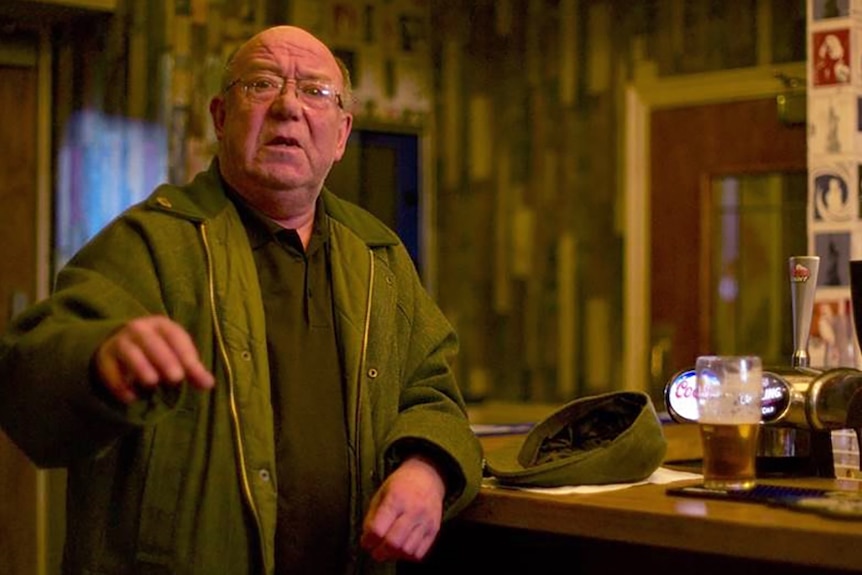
[(803, 283)]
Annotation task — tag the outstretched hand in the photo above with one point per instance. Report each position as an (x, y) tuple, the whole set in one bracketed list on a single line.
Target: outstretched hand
[(406, 512), (148, 352)]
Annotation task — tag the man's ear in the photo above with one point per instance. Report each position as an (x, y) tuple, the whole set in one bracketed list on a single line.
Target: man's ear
[(218, 114), (344, 128)]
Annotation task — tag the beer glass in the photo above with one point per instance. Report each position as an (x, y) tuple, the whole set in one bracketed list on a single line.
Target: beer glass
[(729, 391)]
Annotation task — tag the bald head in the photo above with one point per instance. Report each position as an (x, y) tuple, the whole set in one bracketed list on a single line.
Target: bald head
[(281, 122), (291, 35)]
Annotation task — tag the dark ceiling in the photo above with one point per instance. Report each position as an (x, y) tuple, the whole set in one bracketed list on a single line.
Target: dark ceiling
[(23, 15)]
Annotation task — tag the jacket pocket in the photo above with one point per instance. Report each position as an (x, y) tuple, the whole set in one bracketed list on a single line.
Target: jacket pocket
[(161, 503)]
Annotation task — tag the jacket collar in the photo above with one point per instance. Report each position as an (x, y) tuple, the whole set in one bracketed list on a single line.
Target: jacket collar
[(206, 198)]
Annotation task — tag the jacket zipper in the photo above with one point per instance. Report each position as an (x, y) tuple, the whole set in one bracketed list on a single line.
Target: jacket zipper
[(231, 392), (358, 415)]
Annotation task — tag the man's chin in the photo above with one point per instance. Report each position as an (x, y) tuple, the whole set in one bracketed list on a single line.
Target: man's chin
[(279, 178)]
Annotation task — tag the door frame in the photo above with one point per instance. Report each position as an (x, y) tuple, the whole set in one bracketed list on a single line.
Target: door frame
[(643, 94), (49, 484), (38, 56)]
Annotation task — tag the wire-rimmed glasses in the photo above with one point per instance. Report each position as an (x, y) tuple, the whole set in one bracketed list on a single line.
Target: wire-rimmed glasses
[(264, 88)]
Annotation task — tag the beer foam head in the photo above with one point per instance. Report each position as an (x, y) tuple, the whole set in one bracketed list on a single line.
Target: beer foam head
[(729, 389)]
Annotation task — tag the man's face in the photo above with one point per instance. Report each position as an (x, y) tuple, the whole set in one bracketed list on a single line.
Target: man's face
[(280, 149)]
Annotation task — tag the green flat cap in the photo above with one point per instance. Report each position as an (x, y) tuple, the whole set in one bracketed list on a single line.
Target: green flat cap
[(610, 438)]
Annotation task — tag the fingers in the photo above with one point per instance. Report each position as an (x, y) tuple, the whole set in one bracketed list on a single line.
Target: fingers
[(111, 374), (405, 537), (405, 514), (148, 352), (182, 357)]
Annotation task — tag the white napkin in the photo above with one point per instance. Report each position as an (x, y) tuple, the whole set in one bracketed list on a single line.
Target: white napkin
[(660, 476)]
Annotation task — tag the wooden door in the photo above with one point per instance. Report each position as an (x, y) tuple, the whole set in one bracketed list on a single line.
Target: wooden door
[(19, 553), (689, 146)]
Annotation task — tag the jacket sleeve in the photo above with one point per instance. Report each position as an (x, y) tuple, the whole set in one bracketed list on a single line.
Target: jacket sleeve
[(432, 413), (51, 405)]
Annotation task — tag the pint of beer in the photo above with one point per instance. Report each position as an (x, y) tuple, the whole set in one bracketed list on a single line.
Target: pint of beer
[(729, 391)]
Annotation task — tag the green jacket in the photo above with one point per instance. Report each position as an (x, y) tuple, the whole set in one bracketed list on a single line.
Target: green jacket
[(183, 481)]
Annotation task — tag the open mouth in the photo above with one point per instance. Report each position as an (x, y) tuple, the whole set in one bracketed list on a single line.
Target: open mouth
[(282, 141)]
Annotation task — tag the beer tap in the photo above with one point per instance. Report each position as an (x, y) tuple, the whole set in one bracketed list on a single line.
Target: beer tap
[(803, 283), (801, 405)]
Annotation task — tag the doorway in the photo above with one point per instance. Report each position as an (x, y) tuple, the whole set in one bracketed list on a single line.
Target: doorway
[(699, 154), (380, 172)]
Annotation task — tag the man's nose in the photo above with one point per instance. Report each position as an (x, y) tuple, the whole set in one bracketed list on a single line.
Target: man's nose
[(289, 95)]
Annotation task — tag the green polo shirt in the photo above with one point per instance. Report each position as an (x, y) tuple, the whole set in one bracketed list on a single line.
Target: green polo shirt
[(307, 394)]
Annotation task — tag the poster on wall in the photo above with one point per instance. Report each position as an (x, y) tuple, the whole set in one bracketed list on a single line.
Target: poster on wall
[(830, 57), (833, 190), (835, 170), (832, 122), (386, 46), (347, 23), (827, 9), (833, 339), (405, 27), (834, 251)]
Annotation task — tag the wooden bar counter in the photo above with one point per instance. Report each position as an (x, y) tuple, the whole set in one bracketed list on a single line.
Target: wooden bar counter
[(642, 529)]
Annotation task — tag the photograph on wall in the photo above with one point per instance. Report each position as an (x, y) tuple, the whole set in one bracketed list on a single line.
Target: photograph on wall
[(370, 23), (826, 9), (413, 32), (367, 81), (830, 56), (858, 139), (831, 122), (348, 57), (833, 339), (833, 198), (405, 27), (834, 251), (347, 24), (414, 87)]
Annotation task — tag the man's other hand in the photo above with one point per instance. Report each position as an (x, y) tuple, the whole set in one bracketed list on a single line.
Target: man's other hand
[(148, 352)]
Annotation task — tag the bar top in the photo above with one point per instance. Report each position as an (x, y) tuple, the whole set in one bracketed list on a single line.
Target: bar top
[(645, 514)]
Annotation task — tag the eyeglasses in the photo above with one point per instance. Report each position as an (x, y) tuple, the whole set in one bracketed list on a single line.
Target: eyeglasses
[(315, 94)]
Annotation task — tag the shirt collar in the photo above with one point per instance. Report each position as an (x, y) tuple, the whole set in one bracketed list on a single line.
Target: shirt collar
[(262, 229)]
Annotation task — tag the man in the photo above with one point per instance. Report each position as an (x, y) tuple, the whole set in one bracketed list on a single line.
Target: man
[(244, 375)]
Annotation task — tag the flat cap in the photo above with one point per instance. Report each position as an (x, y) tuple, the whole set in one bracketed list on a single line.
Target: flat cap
[(610, 438)]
